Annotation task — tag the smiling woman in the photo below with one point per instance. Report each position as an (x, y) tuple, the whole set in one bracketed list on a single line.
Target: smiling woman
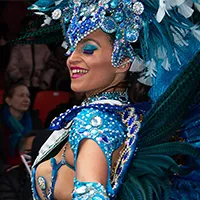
[(93, 57), (108, 147), (16, 121)]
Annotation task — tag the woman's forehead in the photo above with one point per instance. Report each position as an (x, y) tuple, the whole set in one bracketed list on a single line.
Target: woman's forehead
[(98, 36)]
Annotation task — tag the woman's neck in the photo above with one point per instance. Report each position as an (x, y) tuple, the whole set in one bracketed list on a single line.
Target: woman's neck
[(16, 113)]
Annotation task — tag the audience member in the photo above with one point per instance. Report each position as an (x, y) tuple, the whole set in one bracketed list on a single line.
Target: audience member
[(16, 121), (15, 182)]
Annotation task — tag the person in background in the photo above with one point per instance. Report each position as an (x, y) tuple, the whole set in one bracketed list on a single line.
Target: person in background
[(27, 63), (16, 120), (16, 177), (15, 181)]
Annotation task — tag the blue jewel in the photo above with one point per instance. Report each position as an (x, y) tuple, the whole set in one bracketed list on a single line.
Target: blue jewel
[(126, 155), (130, 121), (119, 170), (81, 130), (130, 142), (133, 128), (126, 115), (105, 138), (118, 16), (132, 35), (114, 4), (109, 25)]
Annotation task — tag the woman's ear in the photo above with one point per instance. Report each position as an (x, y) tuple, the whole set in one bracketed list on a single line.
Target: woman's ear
[(8, 101), (125, 66)]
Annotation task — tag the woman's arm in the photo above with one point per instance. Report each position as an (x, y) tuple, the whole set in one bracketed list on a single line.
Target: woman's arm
[(91, 163), (94, 136)]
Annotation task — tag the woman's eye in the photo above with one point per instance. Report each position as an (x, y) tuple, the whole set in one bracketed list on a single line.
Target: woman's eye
[(89, 49)]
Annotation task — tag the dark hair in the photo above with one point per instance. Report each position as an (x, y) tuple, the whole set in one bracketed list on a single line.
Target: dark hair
[(137, 91), (9, 90)]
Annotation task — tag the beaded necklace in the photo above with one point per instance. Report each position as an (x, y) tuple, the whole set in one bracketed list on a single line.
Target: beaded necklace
[(114, 95)]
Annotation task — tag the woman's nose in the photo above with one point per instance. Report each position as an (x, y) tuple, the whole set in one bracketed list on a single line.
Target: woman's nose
[(73, 58)]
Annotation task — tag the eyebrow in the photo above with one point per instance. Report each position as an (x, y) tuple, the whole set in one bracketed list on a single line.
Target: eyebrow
[(89, 39)]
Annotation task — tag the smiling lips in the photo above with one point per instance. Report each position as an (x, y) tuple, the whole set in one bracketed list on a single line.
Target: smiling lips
[(77, 72)]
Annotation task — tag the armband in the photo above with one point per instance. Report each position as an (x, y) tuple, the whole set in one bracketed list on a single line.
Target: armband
[(89, 190)]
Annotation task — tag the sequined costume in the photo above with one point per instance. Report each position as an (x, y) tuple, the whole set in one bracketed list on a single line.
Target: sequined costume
[(109, 120), (160, 40)]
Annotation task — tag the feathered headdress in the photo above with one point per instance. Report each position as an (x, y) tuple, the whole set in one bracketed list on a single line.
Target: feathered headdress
[(167, 37)]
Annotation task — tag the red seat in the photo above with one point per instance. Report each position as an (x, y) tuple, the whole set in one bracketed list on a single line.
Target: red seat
[(45, 101), (1, 96)]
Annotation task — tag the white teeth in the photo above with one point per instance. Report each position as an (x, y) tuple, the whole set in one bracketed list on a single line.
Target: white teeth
[(79, 71)]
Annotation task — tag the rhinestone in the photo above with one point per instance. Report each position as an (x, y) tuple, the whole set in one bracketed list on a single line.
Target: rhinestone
[(56, 14), (88, 127), (138, 8), (42, 182), (96, 121), (81, 190), (105, 139), (119, 170)]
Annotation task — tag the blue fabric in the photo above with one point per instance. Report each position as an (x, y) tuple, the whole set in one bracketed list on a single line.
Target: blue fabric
[(17, 128), (108, 125)]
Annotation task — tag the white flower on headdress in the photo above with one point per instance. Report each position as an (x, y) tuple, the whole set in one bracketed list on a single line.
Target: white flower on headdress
[(47, 20), (161, 11), (179, 36), (162, 55), (196, 32), (147, 77), (185, 8), (64, 45), (56, 14), (137, 65), (58, 2)]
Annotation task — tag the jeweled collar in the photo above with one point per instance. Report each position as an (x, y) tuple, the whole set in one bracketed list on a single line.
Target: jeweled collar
[(114, 95)]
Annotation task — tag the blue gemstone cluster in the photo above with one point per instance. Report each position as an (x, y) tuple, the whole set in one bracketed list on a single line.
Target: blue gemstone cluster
[(123, 18), (131, 119)]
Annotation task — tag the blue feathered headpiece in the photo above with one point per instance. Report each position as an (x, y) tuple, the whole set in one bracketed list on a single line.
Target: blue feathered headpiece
[(168, 39)]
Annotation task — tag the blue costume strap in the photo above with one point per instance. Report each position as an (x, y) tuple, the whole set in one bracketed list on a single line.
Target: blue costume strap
[(42, 181), (33, 185), (88, 190)]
